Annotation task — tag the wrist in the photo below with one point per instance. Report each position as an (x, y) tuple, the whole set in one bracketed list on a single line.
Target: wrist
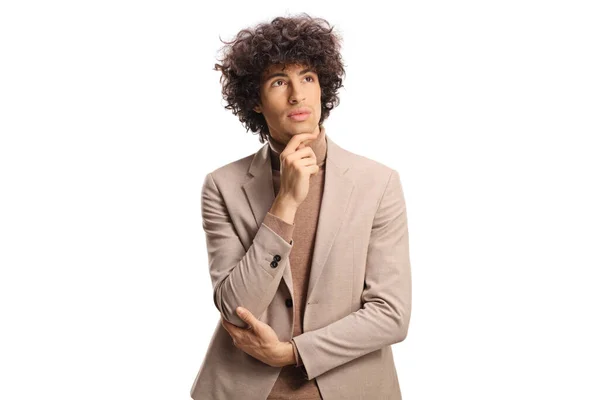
[(284, 209), (286, 354)]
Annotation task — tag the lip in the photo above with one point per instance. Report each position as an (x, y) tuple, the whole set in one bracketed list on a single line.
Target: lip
[(301, 110), (299, 117)]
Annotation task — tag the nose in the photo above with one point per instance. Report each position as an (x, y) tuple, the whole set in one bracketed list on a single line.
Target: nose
[(296, 94)]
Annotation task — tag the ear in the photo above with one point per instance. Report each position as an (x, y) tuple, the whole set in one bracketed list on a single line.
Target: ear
[(257, 109)]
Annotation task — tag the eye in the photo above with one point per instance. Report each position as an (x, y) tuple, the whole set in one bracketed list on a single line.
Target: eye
[(281, 80)]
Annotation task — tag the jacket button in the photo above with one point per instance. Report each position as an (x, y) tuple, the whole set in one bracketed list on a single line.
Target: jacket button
[(273, 264), (277, 257), (288, 302)]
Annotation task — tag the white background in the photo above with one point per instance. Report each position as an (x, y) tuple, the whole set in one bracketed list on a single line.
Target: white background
[(111, 116)]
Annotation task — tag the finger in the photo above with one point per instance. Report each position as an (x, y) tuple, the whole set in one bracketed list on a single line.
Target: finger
[(306, 152), (306, 162), (295, 142), (246, 316), (229, 327)]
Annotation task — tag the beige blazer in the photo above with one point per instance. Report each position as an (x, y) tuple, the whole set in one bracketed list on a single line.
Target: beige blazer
[(359, 291)]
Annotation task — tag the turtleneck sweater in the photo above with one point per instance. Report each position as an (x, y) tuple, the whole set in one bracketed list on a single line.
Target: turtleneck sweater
[(291, 382)]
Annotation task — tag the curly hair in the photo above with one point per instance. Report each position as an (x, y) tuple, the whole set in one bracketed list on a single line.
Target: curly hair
[(299, 39)]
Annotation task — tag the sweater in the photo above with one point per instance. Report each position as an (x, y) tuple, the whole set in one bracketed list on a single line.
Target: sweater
[(291, 382)]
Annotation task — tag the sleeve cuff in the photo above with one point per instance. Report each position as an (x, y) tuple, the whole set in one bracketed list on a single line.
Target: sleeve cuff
[(279, 226), (296, 354)]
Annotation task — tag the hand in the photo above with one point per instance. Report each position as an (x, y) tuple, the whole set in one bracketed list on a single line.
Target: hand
[(258, 340), (297, 164)]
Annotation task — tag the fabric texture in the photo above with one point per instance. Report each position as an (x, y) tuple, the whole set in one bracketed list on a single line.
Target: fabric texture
[(357, 295), (291, 383)]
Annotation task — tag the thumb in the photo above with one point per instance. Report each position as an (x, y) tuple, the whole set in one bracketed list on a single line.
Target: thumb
[(246, 316)]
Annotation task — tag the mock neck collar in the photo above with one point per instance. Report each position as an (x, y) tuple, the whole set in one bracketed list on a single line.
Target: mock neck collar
[(319, 146)]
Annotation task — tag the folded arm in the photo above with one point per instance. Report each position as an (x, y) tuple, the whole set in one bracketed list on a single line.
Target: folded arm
[(242, 278)]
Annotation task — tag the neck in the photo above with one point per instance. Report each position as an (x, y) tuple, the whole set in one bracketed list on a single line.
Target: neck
[(319, 146)]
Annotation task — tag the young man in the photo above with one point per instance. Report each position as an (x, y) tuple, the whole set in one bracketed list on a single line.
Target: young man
[(307, 242)]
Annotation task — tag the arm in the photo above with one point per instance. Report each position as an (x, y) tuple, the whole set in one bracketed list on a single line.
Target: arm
[(240, 277), (279, 226), (387, 295)]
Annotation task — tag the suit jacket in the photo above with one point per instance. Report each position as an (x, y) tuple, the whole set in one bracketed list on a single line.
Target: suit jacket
[(359, 294)]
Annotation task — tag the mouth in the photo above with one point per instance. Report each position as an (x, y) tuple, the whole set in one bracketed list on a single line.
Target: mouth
[(300, 117), (300, 114)]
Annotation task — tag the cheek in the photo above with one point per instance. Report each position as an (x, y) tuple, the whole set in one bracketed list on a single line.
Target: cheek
[(317, 97)]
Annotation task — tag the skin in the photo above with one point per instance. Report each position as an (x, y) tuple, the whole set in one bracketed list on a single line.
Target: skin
[(281, 94), (259, 340), (278, 96), (292, 88)]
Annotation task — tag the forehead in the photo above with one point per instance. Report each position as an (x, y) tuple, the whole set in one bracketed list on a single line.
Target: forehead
[(285, 68)]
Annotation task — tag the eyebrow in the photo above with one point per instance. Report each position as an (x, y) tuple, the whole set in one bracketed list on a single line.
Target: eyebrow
[(304, 71)]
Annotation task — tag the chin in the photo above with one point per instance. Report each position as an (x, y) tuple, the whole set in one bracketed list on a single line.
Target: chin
[(302, 125)]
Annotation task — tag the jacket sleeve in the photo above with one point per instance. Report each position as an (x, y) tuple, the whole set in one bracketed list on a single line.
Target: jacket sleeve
[(383, 320), (279, 226), (242, 278)]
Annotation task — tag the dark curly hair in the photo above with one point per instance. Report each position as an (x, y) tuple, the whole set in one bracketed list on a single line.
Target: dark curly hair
[(299, 39)]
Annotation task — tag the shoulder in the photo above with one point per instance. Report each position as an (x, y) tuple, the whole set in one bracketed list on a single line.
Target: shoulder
[(366, 172), (377, 183), (234, 171)]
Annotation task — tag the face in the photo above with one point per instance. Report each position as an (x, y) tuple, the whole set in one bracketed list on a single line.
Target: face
[(287, 88)]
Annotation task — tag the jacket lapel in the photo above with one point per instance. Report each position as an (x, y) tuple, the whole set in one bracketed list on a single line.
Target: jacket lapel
[(337, 193)]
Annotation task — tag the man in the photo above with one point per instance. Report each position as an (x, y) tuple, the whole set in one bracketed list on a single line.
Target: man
[(307, 242)]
